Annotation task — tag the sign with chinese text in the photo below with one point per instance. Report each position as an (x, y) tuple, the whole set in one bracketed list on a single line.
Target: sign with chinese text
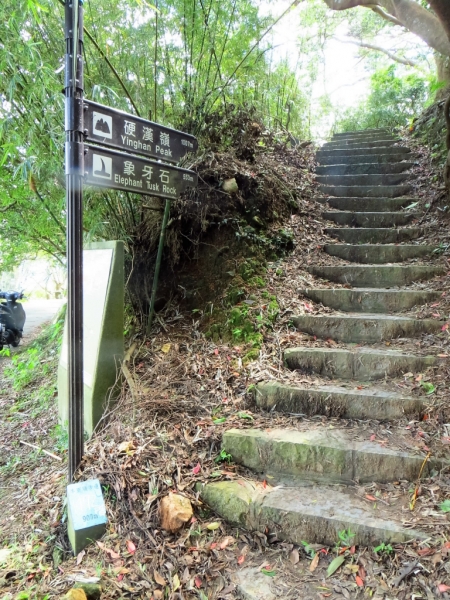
[(110, 127), (121, 171)]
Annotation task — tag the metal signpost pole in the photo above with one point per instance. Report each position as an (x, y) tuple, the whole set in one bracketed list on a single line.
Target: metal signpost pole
[(74, 155)]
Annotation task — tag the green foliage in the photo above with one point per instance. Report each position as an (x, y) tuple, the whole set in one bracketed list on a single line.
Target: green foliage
[(445, 506), (393, 102), (223, 457), (384, 549)]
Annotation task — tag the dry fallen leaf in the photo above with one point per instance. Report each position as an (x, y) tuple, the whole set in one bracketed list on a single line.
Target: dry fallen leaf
[(158, 578), (314, 562), (229, 539), (131, 547), (165, 348), (294, 556)]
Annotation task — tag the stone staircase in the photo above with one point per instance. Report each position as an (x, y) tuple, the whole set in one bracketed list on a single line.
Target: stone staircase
[(317, 475)]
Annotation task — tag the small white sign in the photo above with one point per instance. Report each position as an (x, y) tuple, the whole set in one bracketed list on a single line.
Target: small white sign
[(101, 166), (86, 504), (102, 125)]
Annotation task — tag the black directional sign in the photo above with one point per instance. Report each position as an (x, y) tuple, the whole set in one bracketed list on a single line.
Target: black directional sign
[(122, 171), (116, 129)]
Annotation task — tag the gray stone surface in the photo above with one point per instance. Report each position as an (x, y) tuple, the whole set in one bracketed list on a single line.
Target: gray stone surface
[(362, 364), (367, 328), (366, 204), (370, 300), (378, 254), (371, 220), (393, 150), (357, 191), (334, 401), (324, 455), (380, 179), (252, 584), (316, 513), (381, 158), (377, 275), (357, 143), (364, 168), (86, 513), (374, 235), (103, 306)]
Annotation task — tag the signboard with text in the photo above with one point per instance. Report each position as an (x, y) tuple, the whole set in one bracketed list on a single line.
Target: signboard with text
[(121, 171), (116, 129)]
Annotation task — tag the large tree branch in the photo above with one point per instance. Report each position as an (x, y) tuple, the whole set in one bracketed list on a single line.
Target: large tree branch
[(399, 59), (410, 15), (442, 9)]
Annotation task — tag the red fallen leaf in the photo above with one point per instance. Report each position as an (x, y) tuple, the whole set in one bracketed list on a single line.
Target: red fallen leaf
[(369, 497), (421, 433), (359, 581), (443, 588), (425, 551), (443, 355), (425, 418), (308, 307), (362, 572), (435, 304), (131, 547), (264, 484), (353, 550), (435, 315), (373, 437), (444, 327), (196, 469), (213, 545), (446, 440), (198, 582), (216, 352), (323, 550), (241, 559), (120, 577)]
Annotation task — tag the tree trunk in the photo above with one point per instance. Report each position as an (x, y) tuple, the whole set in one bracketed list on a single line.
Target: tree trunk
[(442, 9), (443, 75)]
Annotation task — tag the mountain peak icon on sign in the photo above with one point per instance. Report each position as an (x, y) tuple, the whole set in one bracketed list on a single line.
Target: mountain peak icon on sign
[(102, 172), (102, 126)]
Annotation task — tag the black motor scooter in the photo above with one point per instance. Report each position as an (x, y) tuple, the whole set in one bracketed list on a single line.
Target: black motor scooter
[(12, 319)]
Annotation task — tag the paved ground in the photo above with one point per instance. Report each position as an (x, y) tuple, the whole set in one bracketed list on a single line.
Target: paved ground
[(39, 312)]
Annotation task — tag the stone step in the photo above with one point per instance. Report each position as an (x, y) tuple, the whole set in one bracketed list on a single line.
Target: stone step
[(361, 158), (366, 204), (322, 455), (365, 168), (353, 235), (358, 143), (379, 130), (339, 402), (370, 300), (370, 219), (376, 275), (367, 328), (366, 191), (362, 364), (377, 254), (393, 150), (346, 180), (316, 514)]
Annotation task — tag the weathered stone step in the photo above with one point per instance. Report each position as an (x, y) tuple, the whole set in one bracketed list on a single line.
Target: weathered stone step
[(364, 168), (333, 401), (366, 204), (362, 157), (366, 191), (374, 236), (367, 328), (321, 455), (370, 300), (381, 130), (376, 275), (316, 514), (346, 180), (377, 254), (393, 150), (358, 143), (363, 364), (370, 219)]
